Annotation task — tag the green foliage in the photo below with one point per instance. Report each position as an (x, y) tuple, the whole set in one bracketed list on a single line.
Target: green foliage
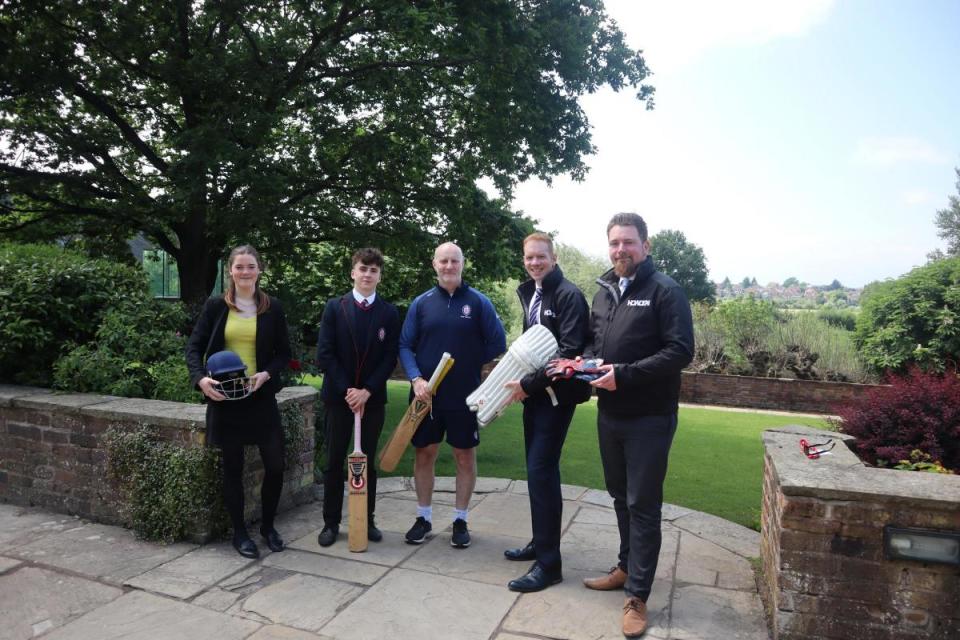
[(843, 319), (291, 418), (199, 124), (920, 461), (51, 299), (914, 319), (684, 262), (172, 491), (137, 352), (746, 322), (948, 222), (805, 346)]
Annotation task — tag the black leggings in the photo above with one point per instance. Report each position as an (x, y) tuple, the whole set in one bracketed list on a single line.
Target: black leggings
[(272, 454)]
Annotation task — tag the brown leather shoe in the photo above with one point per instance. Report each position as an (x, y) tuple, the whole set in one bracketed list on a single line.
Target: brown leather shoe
[(615, 579), (634, 617)]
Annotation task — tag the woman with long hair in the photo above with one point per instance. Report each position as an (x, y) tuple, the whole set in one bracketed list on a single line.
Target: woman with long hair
[(251, 324)]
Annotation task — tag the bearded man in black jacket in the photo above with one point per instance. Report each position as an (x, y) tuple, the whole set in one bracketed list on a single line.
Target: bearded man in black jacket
[(556, 303), (643, 330)]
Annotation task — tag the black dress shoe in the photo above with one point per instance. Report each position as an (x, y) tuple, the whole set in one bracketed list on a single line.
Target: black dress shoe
[(329, 535), (373, 534), (246, 547), (273, 539), (537, 579), (522, 553)]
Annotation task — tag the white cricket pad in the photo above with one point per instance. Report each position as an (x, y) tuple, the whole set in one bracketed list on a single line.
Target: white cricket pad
[(528, 353)]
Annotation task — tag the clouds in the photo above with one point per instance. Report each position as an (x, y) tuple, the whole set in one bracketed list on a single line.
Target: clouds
[(890, 151), (674, 34)]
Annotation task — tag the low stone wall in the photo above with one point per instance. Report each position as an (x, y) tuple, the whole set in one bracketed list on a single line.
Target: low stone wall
[(780, 394), (825, 573), (53, 452)]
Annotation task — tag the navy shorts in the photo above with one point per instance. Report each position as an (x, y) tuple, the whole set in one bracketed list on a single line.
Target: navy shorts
[(459, 425)]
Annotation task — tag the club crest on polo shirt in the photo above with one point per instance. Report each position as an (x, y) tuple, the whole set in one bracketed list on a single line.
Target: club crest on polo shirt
[(465, 311), (381, 334), (638, 303)]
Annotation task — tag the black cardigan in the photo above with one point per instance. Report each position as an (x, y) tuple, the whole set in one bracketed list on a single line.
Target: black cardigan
[(272, 343)]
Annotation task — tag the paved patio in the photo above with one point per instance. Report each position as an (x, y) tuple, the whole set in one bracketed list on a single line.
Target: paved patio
[(65, 578)]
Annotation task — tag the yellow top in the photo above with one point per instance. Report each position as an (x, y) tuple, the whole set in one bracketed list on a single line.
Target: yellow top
[(240, 336)]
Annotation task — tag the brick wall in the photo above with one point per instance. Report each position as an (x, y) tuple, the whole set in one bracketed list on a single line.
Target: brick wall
[(825, 574), (53, 454), (782, 394)]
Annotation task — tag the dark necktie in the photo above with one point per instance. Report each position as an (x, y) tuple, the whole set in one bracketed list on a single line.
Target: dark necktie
[(534, 317)]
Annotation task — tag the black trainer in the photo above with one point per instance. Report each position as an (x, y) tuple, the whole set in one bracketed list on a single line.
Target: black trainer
[(419, 531), (461, 537)]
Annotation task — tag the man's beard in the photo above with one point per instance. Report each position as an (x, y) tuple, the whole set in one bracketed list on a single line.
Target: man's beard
[(624, 267)]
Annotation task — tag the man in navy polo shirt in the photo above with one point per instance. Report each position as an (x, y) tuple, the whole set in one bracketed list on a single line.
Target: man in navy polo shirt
[(456, 318)]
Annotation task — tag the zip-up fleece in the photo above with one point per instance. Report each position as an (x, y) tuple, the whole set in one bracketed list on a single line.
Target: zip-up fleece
[(564, 311), (464, 324), (648, 335)]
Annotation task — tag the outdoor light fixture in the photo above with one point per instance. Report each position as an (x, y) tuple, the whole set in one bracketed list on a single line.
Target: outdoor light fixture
[(922, 545)]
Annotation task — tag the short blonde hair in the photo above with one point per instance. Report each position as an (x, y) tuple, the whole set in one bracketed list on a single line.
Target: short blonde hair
[(541, 237)]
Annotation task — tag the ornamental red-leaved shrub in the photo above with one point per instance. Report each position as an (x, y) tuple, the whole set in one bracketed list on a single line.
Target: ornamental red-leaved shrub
[(917, 411)]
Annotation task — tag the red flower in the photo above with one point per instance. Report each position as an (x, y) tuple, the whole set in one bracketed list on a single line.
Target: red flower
[(295, 365)]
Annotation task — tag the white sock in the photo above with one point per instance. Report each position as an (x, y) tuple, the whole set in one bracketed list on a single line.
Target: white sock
[(425, 512), (460, 514)]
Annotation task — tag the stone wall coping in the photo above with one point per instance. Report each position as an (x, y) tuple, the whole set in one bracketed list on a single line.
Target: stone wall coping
[(833, 383), (159, 412), (10, 392), (843, 476)]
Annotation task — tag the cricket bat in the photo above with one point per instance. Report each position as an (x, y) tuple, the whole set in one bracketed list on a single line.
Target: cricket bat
[(357, 496), (417, 410)]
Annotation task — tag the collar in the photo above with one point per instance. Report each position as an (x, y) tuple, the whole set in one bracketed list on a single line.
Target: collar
[(358, 297), (456, 292), (549, 283)]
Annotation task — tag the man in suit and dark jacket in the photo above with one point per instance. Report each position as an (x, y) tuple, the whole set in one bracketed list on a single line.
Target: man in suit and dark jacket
[(357, 352), (549, 299), (642, 328)]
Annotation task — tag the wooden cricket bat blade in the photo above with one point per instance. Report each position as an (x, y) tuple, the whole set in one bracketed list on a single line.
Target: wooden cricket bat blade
[(414, 415), (357, 492)]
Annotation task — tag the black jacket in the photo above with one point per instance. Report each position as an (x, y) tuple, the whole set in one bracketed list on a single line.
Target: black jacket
[(648, 335), (564, 311), (272, 342), (337, 355)]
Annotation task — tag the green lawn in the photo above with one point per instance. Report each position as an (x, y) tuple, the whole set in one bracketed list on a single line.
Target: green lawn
[(716, 463)]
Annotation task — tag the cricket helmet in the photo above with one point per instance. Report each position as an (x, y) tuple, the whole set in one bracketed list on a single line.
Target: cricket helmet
[(228, 370)]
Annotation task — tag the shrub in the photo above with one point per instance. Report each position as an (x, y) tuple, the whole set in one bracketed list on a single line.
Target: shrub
[(51, 299), (811, 349), (137, 352), (918, 411), (914, 319), (840, 318)]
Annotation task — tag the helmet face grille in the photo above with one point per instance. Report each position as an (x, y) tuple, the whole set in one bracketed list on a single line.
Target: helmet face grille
[(236, 388)]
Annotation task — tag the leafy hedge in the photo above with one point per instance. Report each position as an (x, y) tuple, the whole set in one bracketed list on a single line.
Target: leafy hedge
[(137, 352), (52, 299), (918, 412), (914, 319)]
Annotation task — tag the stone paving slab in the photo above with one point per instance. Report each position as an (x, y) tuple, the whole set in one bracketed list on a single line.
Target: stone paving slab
[(391, 551), (22, 525), (700, 612), (410, 605), (705, 563), (143, 616), (7, 564), (448, 484), (296, 523), (193, 572), (597, 498), (482, 561), (594, 515), (100, 551), (571, 611), (35, 600), (594, 548), (326, 566), (301, 601), (502, 512), (729, 535), (280, 632), (393, 484), (396, 514), (439, 498)]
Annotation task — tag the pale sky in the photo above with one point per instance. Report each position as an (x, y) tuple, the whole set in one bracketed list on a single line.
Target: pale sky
[(814, 139)]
